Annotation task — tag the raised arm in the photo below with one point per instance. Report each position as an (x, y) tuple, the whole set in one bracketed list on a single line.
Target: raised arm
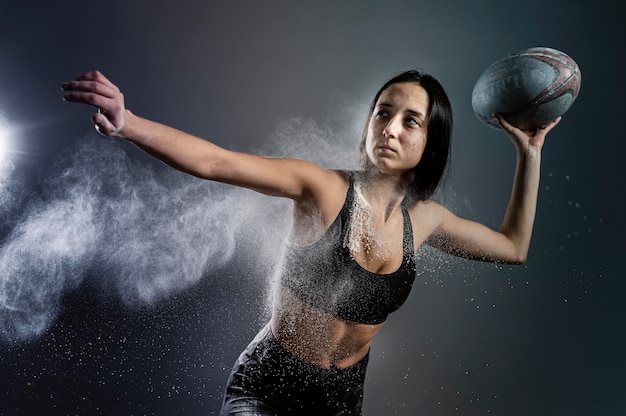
[(511, 243), (281, 177)]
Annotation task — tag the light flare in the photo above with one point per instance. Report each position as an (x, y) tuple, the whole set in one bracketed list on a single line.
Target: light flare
[(5, 135)]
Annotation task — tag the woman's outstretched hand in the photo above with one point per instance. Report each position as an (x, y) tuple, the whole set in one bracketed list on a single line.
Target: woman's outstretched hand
[(93, 88), (526, 140)]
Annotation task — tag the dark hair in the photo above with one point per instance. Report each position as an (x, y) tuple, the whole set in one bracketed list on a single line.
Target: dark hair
[(430, 169)]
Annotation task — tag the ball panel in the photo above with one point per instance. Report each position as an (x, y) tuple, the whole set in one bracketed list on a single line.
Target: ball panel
[(509, 81), (510, 85), (529, 88), (541, 114)]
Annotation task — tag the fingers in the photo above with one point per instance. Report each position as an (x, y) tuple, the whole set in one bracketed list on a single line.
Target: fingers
[(520, 139), (87, 87), (106, 104), (510, 129), (93, 88), (98, 77), (505, 125), (88, 92), (541, 132), (547, 127)]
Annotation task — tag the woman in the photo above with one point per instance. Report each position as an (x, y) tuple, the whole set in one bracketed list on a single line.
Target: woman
[(350, 257)]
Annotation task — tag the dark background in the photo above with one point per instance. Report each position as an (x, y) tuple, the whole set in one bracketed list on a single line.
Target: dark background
[(127, 288)]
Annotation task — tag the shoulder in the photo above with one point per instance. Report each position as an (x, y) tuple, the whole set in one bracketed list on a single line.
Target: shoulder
[(328, 186), (428, 215), (324, 200), (428, 208)]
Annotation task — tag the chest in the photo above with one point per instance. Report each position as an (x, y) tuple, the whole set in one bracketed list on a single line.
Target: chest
[(326, 276), (376, 244)]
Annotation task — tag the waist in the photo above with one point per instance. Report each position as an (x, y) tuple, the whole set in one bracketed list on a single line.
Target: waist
[(316, 336)]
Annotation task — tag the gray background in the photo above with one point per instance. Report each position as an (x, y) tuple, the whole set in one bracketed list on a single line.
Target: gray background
[(127, 288)]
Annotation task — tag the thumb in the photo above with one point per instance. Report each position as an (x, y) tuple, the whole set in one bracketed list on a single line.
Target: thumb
[(102, 124)]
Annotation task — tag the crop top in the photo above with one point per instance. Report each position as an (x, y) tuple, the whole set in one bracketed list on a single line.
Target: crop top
[(325, 275)]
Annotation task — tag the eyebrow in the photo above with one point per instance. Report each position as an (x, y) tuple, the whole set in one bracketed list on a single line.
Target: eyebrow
[(414, 112)]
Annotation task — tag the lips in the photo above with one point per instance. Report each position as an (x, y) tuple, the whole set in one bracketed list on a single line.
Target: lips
[(386, 149)]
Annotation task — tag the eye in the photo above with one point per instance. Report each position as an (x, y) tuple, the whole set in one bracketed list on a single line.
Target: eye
[(413, 121), (382, 113)]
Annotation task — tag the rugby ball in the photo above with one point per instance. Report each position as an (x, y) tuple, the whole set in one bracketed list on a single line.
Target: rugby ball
[(529, 88)]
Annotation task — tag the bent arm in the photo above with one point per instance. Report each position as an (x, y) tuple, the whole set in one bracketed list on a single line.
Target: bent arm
[(510, 244), (281, 177)]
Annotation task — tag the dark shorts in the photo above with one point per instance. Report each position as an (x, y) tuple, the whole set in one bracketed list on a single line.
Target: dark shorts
[(269, 380)]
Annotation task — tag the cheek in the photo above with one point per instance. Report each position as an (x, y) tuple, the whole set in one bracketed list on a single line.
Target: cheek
[(366, 145), (372, 129), (371, 133), (418, 145)]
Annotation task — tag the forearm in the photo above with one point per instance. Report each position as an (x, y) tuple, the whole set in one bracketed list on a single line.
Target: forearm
[(519, 218), (176, 148), (203, 159)]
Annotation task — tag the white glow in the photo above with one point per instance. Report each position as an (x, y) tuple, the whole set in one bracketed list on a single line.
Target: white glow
[(2, 145), (4, 136)]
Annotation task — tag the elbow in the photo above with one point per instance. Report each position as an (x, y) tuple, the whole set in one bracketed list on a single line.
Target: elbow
[(513, 255), (211, 166), (516, 251), (519, 261), (512, 260), (518, 258)]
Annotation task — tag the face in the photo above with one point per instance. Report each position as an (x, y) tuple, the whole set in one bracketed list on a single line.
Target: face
[(396, 131)]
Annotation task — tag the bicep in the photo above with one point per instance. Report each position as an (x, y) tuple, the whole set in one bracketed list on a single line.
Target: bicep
[(470, 239), (290, 178)]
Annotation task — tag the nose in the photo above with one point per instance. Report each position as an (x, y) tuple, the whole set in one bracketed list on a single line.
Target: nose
[(392, 128)]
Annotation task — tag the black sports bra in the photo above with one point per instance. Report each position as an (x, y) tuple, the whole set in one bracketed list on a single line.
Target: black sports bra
[(324, 274)]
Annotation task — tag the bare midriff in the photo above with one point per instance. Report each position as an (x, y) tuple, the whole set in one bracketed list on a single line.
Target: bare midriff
[(317, 337)]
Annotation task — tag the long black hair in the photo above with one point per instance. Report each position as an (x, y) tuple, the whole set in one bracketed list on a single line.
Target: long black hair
[(429, 171)]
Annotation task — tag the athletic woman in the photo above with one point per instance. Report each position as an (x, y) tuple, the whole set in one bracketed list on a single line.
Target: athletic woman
[(349, 260)]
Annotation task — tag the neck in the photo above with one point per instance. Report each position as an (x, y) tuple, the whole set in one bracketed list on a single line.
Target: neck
[(383, 191)]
